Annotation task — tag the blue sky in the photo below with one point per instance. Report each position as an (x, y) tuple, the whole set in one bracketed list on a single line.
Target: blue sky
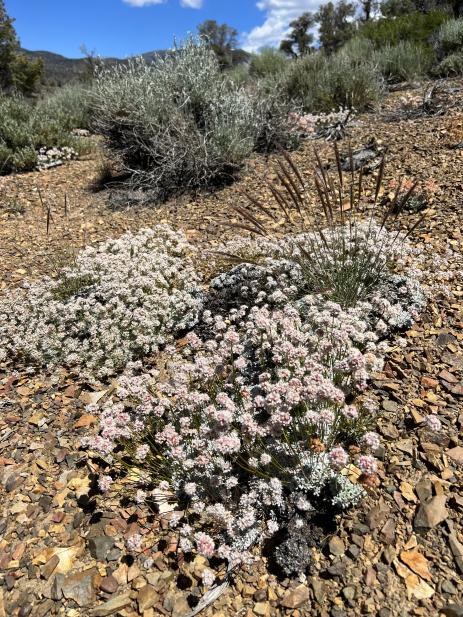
[(129, 27)]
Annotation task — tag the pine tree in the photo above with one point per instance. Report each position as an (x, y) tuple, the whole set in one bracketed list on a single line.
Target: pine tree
[(9, 47), (395, 8), (222, 38), (300, 39), (336, 24), (17, 72)]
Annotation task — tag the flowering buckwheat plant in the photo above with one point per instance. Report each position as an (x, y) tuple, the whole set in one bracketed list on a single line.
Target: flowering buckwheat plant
[(259, 422), (119, 301), (252, 429), (343, 249), (275, 272), (330, 126)]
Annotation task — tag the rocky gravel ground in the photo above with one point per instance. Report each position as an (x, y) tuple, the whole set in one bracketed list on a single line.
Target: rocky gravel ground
[(400, 552)]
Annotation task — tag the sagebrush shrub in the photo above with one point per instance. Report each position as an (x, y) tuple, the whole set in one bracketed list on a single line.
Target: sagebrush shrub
[(25, 128), (450, 66), (180, 123), (404, 61), (269, 62), (325, 83), (68, 105), (449, 38), (120, 301)]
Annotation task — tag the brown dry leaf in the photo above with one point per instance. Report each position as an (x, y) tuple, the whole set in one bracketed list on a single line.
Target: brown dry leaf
[(67, 557), (24, 391), (352, 472), (418, 588), (18, 507), (416, 562), (401, 570), (85, 420), (80, 485), (92, 398), (412, 543), (7, 461), (407, 492), (417, 417), (35, 418), (60, 498)]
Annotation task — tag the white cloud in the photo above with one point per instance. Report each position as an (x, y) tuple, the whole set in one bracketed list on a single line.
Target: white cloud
[(192, 4), (143, 2), (278, 14)]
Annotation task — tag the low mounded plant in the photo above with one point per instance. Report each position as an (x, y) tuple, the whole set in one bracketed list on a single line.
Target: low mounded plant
[(403, 61), (329, 126), (322, 83), (449, 38), (250, 431), (451, 66), (257, 423), (341, 253), (118, 302), (180, 123), (26, 128), (449, 48)]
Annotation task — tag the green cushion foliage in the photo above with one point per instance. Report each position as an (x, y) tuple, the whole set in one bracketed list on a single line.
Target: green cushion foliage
[(450, 66), (324, 83), (414, 28), (26, 127), (404, 61)]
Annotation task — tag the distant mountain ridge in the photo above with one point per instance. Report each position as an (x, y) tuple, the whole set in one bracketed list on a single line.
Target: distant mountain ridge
[(61, 70)]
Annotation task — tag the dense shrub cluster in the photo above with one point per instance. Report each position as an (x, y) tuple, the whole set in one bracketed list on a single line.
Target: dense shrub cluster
[(324, 83), (119, 301), (251, 427), (403, 61), (258, 421), (69, 105), (180, 123), (268, 62), (26, 128), (417, 28), (449, 48)]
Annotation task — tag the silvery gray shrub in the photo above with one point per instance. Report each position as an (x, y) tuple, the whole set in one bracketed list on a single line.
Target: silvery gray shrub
[(180, 123)]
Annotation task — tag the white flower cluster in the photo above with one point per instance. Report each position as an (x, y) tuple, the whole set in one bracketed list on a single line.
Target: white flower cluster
[(120, 301), (53, 157), (327, 125), (345, 263)]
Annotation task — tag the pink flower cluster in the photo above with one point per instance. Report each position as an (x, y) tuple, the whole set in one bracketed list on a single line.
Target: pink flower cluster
[(243, 422)]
